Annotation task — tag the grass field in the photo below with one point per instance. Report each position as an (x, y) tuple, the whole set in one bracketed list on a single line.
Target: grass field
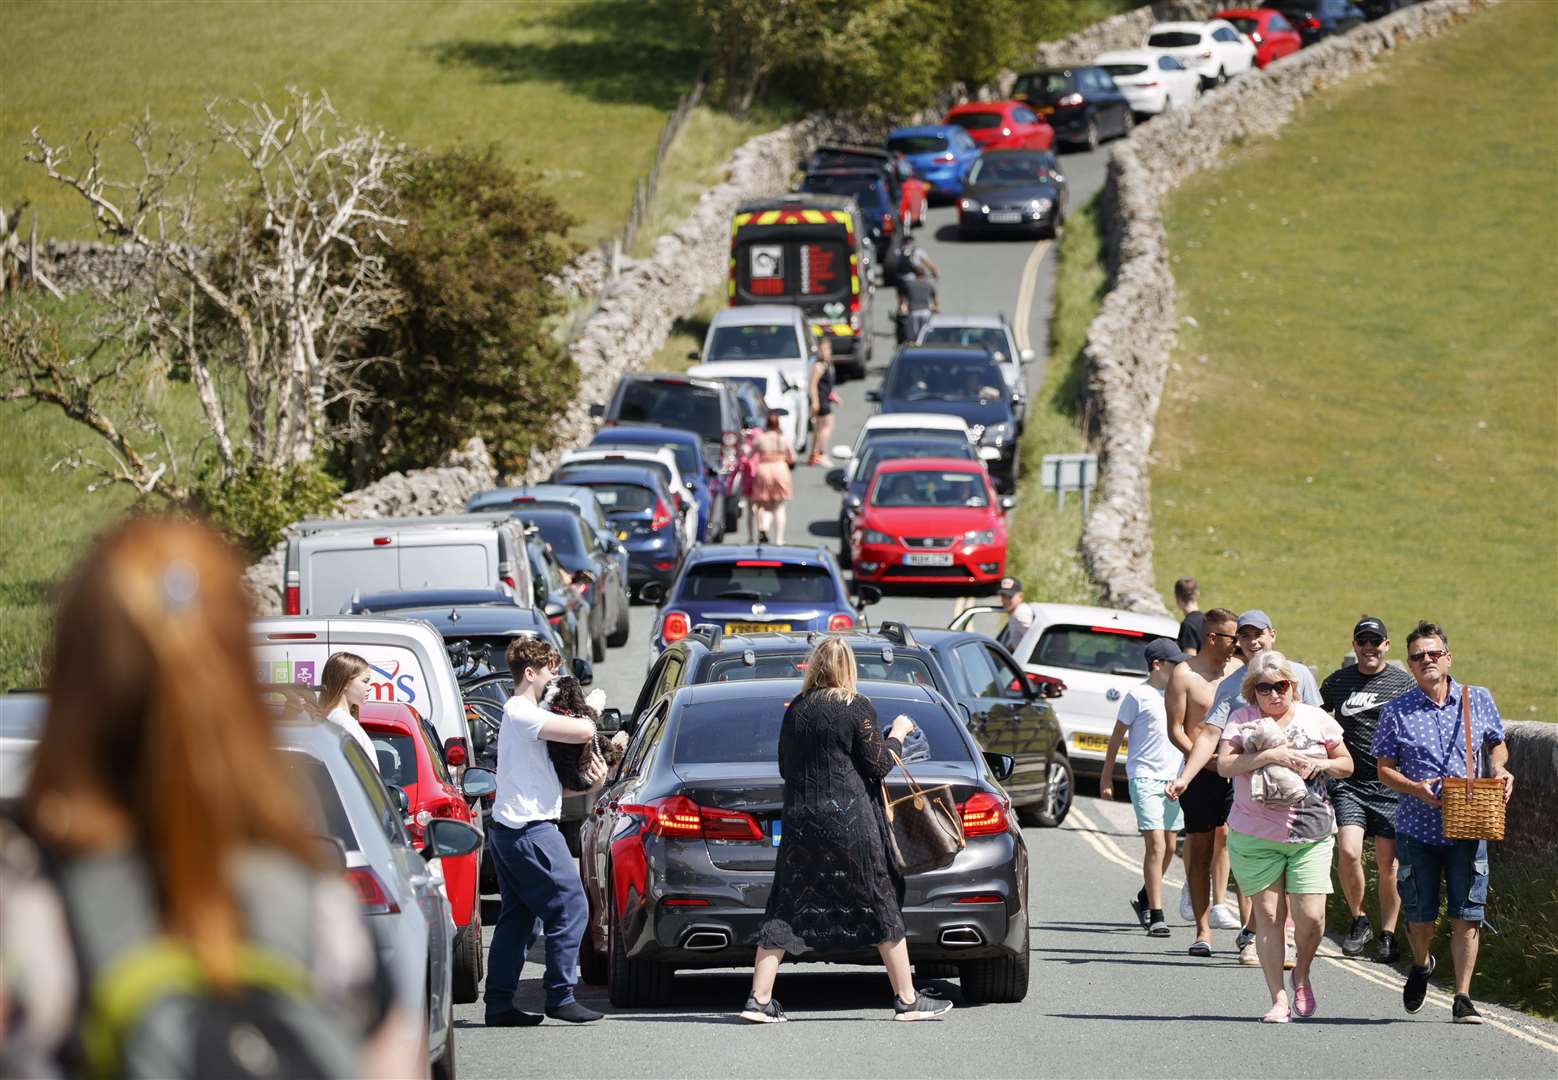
[(1364, 417)]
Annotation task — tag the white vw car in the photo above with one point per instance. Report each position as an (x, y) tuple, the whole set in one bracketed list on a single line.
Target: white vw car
[(1214, 50), (1152, 81)]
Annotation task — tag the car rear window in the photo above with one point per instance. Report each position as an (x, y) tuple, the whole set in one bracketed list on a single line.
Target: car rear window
[(1245, 24), (977, 121), (756, 580), (983, 337), (837, 183), (767, 342), (564, 532), (321, 801), (1124, 69), (1046, 86), (397, 756), (1010, 170), (918, 144), (792, 665), (688, 461), (1173, 39), (929, 487), (945, 378), (1092, 648), (678, 405), (623, 498), (715, 732)]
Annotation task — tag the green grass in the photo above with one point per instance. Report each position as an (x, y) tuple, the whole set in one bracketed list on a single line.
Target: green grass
[(1363, 418), (687, 334)]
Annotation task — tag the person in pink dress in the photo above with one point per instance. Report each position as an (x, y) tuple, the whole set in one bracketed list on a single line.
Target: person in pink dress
[(771, 488)]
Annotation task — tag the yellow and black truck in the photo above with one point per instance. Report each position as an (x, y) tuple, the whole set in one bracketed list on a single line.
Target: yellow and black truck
[(805, 250)]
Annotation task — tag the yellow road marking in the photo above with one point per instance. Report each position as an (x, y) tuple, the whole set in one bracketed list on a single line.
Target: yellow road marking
[(1030, 274)]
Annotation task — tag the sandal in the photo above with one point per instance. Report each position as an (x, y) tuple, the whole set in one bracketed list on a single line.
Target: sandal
[(1277, 1014)]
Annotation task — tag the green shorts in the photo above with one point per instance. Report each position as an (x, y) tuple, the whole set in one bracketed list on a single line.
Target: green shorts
[(1258, 864)]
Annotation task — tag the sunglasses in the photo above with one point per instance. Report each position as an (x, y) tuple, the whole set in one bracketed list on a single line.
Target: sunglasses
[(1368, 641), (1273, 687), (1214, 634), (1427, 656)]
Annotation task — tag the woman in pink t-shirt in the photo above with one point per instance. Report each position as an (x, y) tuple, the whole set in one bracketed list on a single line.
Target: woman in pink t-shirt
[(1282, 846)]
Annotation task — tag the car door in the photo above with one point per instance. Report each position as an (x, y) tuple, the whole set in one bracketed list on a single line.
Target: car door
[(1034, 730), (988, 713), (601, 824)]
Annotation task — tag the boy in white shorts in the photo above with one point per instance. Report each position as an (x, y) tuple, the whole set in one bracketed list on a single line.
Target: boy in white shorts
[(1151, 761)]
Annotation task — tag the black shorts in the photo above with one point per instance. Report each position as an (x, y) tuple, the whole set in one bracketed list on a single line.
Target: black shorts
[(1206, 802), (825, 409), (1368, 804)]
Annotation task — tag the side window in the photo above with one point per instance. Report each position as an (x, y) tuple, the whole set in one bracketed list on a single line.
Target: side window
[(977, 670), (670, 677), (1009, 678), (385, 812), (1168, 63), (1277, 25), (1025, 116), (647, 736), (434, 750)]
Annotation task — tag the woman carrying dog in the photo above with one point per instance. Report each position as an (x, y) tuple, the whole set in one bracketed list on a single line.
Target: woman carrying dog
[(1281, 847), (835, 888)]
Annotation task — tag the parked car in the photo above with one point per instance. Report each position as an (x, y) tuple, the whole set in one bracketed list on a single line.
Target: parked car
[(1002, 125), (21, 725), (567, 608), (1153, 82), (678, 858), (579, 500), (853, 481), (640, 507), (1098, 653), (409, 759), (966, 383), (1019, 192), (662, 458), (1267, 29), (1081, 103), (994, 334), (878, 203), (708, 409), (473, 624), (753, 588), (1214, 50), (328, 561), (776, 388), (933, 521), (940, 155), (1316, 20), (903, 423), (583, 551), (709, 485)]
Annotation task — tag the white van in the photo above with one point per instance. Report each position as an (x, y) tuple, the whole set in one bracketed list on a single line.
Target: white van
[(328, 562)]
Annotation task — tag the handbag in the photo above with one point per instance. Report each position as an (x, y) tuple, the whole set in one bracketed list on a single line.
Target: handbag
[(924, 829), (1473, 807)]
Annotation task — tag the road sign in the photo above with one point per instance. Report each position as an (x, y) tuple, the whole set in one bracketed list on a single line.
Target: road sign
[(1061, 473)]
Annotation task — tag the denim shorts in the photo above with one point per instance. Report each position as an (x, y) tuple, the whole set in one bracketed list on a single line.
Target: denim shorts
[(1463, 866)]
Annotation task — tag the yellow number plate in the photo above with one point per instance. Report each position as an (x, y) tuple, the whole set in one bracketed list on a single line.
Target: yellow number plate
[(622, 534), (756, 627), (1097, 743), (1044, 110)]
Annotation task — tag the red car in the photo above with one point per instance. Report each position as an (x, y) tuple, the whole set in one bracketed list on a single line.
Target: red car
[(1268, 30), (1002, 125), (930, 521), (406, 746)]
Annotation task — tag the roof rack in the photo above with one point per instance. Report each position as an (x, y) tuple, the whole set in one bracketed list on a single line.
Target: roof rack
[(898, 632), (713, 634)]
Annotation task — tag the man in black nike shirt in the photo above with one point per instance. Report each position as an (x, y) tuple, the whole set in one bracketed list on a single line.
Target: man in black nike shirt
[(1364, 806)]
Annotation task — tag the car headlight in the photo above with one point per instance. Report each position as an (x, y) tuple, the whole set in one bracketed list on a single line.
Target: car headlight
[(979, 536), (972, 206), (996, 434), (976, 432), (1040, 205), (871, 536)]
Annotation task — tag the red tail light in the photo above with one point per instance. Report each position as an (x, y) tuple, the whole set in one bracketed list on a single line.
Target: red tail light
[(729, 824), (508, 580), (981, 898), (679, 816), (685, 901), (1310, 23), (675, 626), (840, 621), (294, 600), (375, 898), (983, 815), (555, 620), (454, 750), (1070, 101), (661, 516)]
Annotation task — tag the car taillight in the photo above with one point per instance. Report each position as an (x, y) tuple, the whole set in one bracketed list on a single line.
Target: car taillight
[(1310, 23), (840, 621), (294, 600), (679, 817), (454, 750), (508, 580), (371, 893), (661, 516), (675, 626), (949, 156), (1207, 55), (1070, 101), (983, 815)]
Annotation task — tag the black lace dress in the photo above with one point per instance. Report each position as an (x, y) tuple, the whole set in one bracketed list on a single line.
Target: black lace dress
[(835, 889)]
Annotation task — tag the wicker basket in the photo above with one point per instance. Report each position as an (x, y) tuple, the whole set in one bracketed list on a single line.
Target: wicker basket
[(1473, 808)]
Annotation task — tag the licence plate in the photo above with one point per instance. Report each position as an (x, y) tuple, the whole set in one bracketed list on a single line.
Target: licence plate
[(774, 832), (918, 558), (1096, 743), (756, 627), (1005, 217), (1044, 110), (622, 534)]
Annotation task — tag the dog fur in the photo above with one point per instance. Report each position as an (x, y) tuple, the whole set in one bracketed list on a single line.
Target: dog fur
[(566, 697)]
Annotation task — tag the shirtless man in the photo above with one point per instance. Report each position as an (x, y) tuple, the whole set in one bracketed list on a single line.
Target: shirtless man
[(1187, 699)]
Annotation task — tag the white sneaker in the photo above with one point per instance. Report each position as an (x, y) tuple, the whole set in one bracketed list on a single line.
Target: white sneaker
[(1248, 957), (1223, 918), (1187, 913)]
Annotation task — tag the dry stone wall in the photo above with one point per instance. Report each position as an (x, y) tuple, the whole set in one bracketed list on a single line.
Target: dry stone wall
[(1131, 339)]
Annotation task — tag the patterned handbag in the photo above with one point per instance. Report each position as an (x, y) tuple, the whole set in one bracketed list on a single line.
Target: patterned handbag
[(1473, 807), (924, 828)]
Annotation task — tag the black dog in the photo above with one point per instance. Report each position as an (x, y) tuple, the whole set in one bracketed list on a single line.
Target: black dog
[(566, 697)]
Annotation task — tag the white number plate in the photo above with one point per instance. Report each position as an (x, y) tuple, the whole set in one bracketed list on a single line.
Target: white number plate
[(1005, 217), (915, 558)]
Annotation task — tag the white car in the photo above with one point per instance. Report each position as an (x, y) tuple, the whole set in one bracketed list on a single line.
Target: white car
[(775, 335), (1098, 652), (902, 422), (1214, 50), (779, 388), (1152, 81), (991, 332), (664, 459)]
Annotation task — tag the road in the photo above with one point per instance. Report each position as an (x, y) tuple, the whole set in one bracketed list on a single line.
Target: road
[(1105, 1000)]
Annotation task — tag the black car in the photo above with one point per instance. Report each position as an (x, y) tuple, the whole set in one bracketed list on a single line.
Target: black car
[(890, 446), (961, 382), (485, 619), (567, 608), (1316, 20), (868, 158), (678, 855), (1013, 191), (581, 551), (1378, 9), (706, 407), (1082, 103), (642, 510), (872, 192)]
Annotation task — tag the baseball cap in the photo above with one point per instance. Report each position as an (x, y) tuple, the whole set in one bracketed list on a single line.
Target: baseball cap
[(1254, 617), (1010, 586), (1369, 625), (1165, 649)]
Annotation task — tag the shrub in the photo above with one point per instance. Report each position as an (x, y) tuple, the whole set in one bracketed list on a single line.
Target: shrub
[(255, 505)]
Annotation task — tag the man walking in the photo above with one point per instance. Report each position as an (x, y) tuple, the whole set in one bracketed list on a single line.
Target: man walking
[(537, 877), (916, 301), (1187, 597), (1206, 797), (1151, 761), (1415, 746), (1019, 616), (1354, 694)]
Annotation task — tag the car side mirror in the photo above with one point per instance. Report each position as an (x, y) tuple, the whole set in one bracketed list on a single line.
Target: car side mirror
[(874, 395), (1000, 765), (843, 453), (610, 720), (629, 723), (866, 595), (553, 610), (402, 800), (445, 838), (652, 592), (1025, 355), (477, 783), (1008, 502), (692, 355), (597, 410), (835, 479), (583, 670)]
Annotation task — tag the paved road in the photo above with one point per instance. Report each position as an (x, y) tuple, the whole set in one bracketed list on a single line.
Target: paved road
[(1105, 1000)]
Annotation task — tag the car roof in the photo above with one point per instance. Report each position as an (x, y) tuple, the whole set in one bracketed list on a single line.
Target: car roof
[(1184, 26), (646, 475), (1242, 13), (991, 322), (390, 713), (569, 493), (801, 199), (1082, 614), (925, 464), (984, 106), (719, 693), (1138, 55), (636, 455), (907, 421), (648, 432), (939, 351), (756, 314), (787, 553), (477, 519), (668, 377), (719, 369), (922, 129), (484, 620), (439, 597), (1059, 69)]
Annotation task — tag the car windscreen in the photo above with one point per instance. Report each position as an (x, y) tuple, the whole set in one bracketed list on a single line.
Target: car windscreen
[(688, 460), (564, 532), (1124, 69), (1173, 39), (1046, 86), (945, 378), (716, 732), (678, 405), (1244, 24), (322, 802), (1092, 648), (792, 665), (917, 144), (1009, 170), (767, 342), (758, 580), (877, 452), (397, 756), (622, 498), (977, 121), (992, 338), (929, 487)]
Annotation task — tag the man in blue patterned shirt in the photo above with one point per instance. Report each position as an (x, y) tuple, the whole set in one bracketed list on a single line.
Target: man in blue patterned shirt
[(1420, 740)]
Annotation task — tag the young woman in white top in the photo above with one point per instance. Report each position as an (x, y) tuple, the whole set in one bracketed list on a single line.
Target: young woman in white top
[(342, 691)]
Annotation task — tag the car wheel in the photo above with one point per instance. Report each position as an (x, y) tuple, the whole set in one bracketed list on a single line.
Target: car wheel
[(443, 1068), (1127, 123), (635, 983), (1057, 803), (466, 977), (1222, 77), (1091, 139), (619, 633), (598, 640), (592, 962), (1000, 979)]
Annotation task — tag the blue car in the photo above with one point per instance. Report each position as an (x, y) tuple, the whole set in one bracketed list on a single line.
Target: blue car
[(642, 510), (752, 589), (940, 154), (708, 488)]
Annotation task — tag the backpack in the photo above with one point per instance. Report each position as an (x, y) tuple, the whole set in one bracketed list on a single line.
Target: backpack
[(144, 1009), (904, 266)]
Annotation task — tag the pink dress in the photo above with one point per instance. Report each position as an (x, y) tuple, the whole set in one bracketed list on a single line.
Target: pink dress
[(771, 478)]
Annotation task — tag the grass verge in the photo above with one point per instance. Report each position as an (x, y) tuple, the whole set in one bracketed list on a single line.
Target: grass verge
[(1362, 417)]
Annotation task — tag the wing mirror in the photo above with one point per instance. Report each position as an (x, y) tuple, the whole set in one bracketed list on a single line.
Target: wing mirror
[(478, 783), (597, 410), (1008, 502), (866, 595), (835, 479), (402, 800), (447, 838), (652, 592), (610, 720), (989, 453), (1025, 355), (1000, 765), (583, 670), (843, 453), (874, 395)]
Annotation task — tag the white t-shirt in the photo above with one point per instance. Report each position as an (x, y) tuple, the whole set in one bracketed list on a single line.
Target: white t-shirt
[(1148, 752), (1017, 624), (528, 788), (342, 717)]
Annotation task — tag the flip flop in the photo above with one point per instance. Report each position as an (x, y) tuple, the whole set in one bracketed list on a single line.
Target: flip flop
[(1201, 948)]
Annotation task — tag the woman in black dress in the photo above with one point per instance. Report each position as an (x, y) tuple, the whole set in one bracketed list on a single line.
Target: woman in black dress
[(835, 889)]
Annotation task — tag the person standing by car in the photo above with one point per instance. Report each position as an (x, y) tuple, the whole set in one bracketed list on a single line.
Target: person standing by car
[(1365, 807), (1019, 615), (835, 889), (823, 398), (1281, 850), (158, 858), (1151, 761), (343, 688), (771, 488), (1415, 746), (537, 876), (1187, 597)]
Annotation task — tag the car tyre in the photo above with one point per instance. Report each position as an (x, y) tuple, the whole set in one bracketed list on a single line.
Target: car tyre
[(935, 971), (444, 1067), (1222, 77), (635, 983), (598, 641), (998, 980), (619, 633), (1090, 140), (1057, 804), (592, 962), (1127, 124), (465, 980)]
